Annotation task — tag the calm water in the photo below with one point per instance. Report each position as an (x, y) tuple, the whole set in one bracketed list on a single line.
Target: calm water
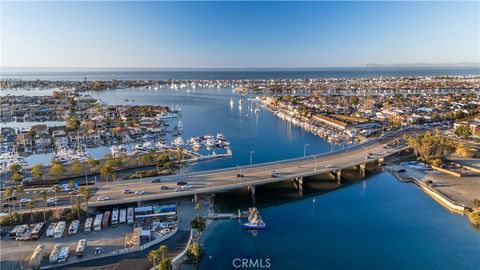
[(228, 74), (379, 223), (208, 111), (374, 224)]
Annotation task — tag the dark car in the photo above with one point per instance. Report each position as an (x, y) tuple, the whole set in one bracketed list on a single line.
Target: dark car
[(164, 187), (239, 175), (181, 183), (156, 180), (11, 198)]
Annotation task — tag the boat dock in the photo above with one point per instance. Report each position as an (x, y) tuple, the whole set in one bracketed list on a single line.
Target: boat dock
[(219, 216)]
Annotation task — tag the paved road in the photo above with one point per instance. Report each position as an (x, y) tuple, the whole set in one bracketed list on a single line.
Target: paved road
[(226, 179)]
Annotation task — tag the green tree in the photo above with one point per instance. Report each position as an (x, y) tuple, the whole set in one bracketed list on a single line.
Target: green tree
[(463, 131), (93, 163), (165, 264), (85, 192), (37, 171), (430, 147), (153, 257), (43, 194), (194, 253), (105, 171), (31, 205), (162, 249), (354, 100), (77, 206), (76, 167), (71, 184), (73, 123), (17, 177), (15, 168), (56, 170)]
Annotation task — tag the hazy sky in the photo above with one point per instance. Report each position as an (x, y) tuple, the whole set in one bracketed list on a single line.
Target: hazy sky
[(237, 34)]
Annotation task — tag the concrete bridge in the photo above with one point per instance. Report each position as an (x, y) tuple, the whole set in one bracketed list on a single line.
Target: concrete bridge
[(265, 173)]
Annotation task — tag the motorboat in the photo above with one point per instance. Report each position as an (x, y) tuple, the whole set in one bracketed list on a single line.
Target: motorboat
[(178, 141)]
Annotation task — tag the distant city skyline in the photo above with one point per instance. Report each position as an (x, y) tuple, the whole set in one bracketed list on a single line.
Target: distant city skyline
[(239, 34)]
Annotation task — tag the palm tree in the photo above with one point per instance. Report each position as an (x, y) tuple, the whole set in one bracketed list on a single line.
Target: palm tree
[(153, 257), (165, 264), (162, 250), (56, 189), (198, 206), (85, 192), (77, 204), (43, 194), (30, 206), (20, 190), (9, 193)]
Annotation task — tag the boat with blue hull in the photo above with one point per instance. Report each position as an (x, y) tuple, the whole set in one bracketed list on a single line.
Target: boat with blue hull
[(255, 221)]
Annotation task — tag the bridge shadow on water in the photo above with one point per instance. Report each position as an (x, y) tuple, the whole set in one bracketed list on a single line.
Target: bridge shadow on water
[(286, 191)]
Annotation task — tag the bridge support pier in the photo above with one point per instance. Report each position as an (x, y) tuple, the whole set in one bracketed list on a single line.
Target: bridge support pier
[(338, 176), (380, 161), (361, 169), (252, 191), (298, 182), (195, 197)]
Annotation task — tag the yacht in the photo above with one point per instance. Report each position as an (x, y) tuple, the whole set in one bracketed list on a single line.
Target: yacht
[(168, 116), (118, 150), (178, 141), (231, 103), (180, 125), (161, 145)]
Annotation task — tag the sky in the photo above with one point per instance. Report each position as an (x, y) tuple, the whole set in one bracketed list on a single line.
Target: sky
[(237, 34)]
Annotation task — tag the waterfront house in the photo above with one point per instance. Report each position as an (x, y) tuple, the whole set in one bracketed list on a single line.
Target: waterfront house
[(24, 141)]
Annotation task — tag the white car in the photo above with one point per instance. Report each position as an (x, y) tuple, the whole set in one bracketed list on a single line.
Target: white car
[(139, 192), (25, 200), (103, 198), (187, 186), (52, 201)]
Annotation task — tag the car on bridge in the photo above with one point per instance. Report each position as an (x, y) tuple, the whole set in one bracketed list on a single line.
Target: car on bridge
[(25, 200), (163, 187), (181, 183), (274, 174), (127, 191), (139, 192), (52, 202), (156, 180), (103, 198)]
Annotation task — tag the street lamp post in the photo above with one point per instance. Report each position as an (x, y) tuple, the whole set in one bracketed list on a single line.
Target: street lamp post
[(251, 156), (305, 149), (314, 157)]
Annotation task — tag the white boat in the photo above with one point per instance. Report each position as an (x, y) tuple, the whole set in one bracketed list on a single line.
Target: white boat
[(180, 125), (178, 141), (209, 143), (139, 147), (231, 103), (161, 145), (118, 150), (168, 116)]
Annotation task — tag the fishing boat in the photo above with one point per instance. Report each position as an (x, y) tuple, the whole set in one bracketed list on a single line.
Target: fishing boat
[(255, 221)]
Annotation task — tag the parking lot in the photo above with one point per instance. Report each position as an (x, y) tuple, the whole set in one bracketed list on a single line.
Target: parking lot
[(16, 254)]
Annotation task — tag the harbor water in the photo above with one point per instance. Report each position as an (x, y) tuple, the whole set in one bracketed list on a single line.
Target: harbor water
[(375, 223)]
